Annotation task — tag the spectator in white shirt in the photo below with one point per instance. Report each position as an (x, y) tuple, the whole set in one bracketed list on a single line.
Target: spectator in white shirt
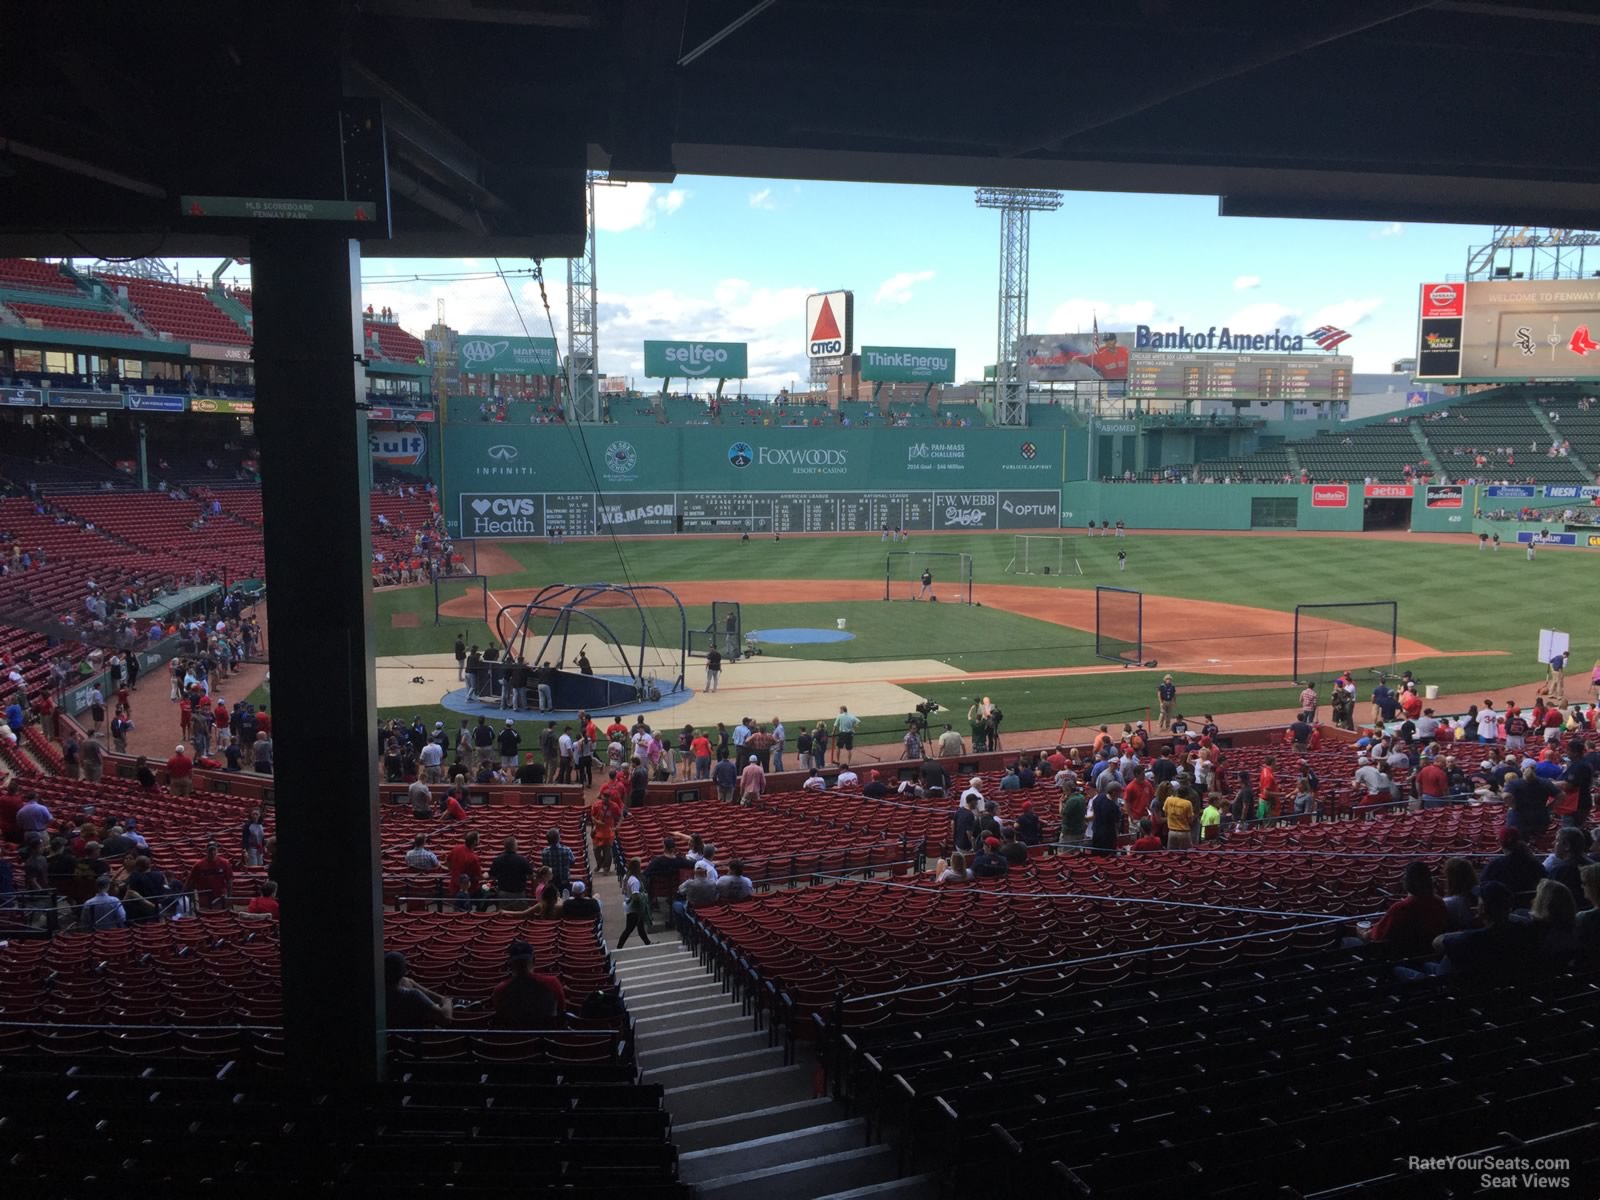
[(1488, 723), (975, 788), (814, 782), (1371, 779), (847, 778), (430, 757)]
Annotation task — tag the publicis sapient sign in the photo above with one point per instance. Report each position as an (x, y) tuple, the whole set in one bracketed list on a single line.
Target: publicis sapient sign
[(696, 360)]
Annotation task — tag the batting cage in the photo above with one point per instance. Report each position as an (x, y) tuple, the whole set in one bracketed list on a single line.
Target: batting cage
[(1043, 554), (949, 576), (1119, 624), (1356, 635), (725, 631)]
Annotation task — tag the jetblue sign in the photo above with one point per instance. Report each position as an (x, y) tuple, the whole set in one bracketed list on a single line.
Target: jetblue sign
[(1184, 338)]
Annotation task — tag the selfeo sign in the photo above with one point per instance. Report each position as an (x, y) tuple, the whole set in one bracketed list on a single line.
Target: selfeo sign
[(696, 360)]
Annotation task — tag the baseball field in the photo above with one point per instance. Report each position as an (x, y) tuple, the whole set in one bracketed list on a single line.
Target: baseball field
[(1217, 613)]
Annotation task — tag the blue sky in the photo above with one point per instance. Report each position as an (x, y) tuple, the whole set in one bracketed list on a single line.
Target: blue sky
[(733, 259)]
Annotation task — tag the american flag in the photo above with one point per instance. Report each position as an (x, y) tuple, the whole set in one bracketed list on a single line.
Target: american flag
[(1097, 332), (1329, 336)]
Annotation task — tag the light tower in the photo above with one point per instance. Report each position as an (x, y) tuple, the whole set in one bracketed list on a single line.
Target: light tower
[(583, 332), (1010, 377)]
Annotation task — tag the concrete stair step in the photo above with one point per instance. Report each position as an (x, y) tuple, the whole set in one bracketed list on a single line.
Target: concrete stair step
[(739, 1093), (713, 1069), (706, 1024), (672, 971), (668, 987), (912, 1187), (667, 1013), (773, 1150), (658, 948), (807, 1178), (640, 1003), (756, 1123), (719, 1045)]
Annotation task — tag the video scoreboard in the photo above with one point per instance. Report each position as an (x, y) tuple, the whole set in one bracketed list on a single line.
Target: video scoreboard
[(1293, 377), (587, 514)]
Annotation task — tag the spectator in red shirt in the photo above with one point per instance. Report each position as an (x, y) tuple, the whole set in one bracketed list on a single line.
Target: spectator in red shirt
[(1146, 840), (11, 802), (526, 999), (453, 810), (1432, 783), (185, 712), (1136, 797), (263, 721), (211, 879), (463, 860), (1411, 924), (180, 772), (267, 902), (1267, 782)]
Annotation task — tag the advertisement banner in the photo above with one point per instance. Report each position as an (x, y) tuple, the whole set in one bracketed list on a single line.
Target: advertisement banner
[(830, 324), (1593, 541), (421, 416), (908, 364), (1330, 495), (1571, 493), (1444, 495), (1513, 491), (21, 397), (219, 353), (502, 514), (1537, 538), (497, 354), (398, 448), (1416, 399), (56, 398), (156, 403), (1061, 357), (239, 408), (696, 360), (1511, 329), (1387, 491)]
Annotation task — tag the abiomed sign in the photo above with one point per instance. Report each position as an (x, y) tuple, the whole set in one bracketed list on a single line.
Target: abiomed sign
[(696, 360), (908, 364)]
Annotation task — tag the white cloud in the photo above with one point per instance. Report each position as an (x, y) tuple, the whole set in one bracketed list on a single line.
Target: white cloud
[(1262, 316), (634, 206), (897, 288), (770, 320), (1346, 314), (763, 199), (1388, 230), (1244, 283), (1079, 313)]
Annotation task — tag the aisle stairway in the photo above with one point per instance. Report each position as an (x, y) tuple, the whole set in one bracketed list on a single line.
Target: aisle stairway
[(747, 1126)]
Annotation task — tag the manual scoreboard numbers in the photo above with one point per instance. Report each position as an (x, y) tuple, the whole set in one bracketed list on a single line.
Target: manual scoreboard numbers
[(1292, 377)]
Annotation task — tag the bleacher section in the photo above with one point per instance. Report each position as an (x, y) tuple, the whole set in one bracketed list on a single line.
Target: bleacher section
[(394, 343), (185, 312), (160, 523), (74, 318), (1473, 431), (1379, 452), (32, 275)]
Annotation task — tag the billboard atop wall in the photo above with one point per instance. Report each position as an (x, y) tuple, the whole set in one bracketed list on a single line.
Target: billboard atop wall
[(908, 364), (1062, 357), (696, 360), (830, 324), (1495, 331)]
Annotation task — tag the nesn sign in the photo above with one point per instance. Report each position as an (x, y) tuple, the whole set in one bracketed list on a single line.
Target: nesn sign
[(827, 346)]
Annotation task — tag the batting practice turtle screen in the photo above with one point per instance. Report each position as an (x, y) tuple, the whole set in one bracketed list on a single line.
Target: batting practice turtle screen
[(1119, 624)]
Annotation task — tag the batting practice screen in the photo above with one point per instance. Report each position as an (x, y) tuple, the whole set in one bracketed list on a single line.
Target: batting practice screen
[(950, 576), (1330, 638), (1119, 624)]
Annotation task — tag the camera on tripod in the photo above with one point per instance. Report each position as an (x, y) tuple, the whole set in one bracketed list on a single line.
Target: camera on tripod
[(918, 719)]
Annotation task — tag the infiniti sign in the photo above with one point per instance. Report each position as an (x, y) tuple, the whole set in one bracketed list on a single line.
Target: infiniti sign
[(502, 453)]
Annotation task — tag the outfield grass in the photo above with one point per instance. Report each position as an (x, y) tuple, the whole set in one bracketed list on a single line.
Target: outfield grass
[(1451, 597)]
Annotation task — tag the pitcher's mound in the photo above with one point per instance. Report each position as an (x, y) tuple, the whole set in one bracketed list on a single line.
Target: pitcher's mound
[(405, 620)]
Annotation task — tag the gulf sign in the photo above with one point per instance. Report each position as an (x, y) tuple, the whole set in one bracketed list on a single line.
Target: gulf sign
[(1330, 495), (1444, 300), (402, 448), (830, 324)]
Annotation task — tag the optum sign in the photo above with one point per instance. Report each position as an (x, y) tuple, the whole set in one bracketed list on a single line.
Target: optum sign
[(696, 360)]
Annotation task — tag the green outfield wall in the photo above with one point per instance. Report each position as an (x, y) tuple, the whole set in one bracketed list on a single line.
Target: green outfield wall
[(524, 481)]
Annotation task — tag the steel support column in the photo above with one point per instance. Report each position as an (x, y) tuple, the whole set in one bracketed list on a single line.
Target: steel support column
[(310, 420)]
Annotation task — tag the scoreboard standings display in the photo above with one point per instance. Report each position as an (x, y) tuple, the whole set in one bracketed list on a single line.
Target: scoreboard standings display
[(586, 514), (1302, 377)]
